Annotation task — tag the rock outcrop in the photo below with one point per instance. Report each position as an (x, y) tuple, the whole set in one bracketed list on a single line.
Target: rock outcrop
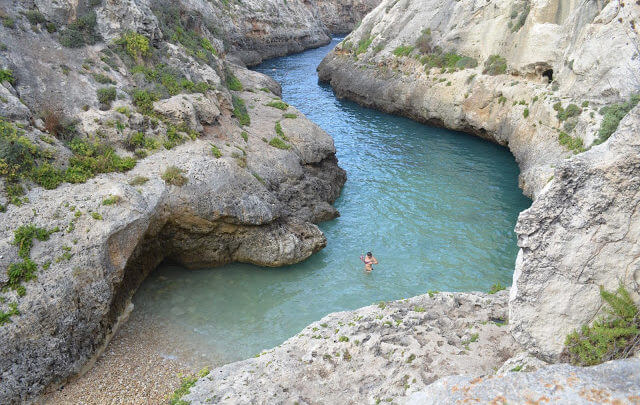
[(378, 353), (612, 382), (128, 138), (341, 17), (549, 80)]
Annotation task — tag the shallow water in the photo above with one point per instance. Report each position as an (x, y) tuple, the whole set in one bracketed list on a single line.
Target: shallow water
[(436, 207)]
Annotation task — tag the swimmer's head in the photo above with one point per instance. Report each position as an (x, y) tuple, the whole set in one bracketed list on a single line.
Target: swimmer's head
[(369, 254)]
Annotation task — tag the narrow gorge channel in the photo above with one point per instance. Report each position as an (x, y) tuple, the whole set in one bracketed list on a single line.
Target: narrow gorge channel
[(436, 207)]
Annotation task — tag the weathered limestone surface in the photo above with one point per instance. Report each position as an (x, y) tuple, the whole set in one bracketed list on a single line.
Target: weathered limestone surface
[(341, 17), (582, 230), (374, 354), (612, 382), (255, 203), (581, 233)]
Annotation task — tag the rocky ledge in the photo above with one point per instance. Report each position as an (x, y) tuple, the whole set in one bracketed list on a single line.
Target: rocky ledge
[(382, 352), (556, 83)]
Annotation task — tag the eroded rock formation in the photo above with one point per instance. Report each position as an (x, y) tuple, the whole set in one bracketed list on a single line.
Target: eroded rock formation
[(538, 77), (93, 89)]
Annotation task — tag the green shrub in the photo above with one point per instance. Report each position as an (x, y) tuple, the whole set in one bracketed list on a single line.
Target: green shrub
[(185, 387), (91, 158), (364, 44), (8, 22), (403, 50), (143, 99), (574, 144), (279, 143), (571, 111), (520, 12), (106, 95), (245, 136), (290, 116), (495, 65), (173, 175), (138, 181), (280, 132), (24, 235), (613, 114), (112, 200), (136, 45), (102, 79), (35, 17), (525, 113), (47, 176), (96, 216), (6, 75), (496, 287), (614, 336), (233, 83), (81, 32), (215, 151), (450, 61), (279, 104), (343, 339), (5, 317), (240, 111)]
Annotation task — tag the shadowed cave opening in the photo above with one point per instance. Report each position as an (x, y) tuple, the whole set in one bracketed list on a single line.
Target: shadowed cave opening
[(548, 74)]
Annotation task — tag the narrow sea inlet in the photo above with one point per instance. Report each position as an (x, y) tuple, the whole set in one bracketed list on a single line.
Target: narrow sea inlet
[(436, 207)]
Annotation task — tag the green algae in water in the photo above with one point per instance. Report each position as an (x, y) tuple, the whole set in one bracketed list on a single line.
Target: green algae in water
[(436, 207)]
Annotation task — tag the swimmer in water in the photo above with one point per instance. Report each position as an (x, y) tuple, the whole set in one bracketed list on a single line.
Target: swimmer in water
[(369, 260)]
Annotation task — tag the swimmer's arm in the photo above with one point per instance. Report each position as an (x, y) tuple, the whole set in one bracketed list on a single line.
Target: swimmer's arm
[(375, 261)]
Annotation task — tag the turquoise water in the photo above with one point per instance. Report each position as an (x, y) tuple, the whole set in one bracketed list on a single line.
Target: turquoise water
[(436, 207)]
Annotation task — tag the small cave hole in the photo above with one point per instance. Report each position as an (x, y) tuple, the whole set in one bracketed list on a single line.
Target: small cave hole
[(548, 74)]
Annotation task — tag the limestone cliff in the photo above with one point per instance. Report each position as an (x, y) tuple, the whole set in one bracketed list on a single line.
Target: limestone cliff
[(548, 79), (128, 137)]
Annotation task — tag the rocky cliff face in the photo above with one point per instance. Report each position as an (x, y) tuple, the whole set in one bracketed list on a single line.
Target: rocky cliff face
[(128, 139), (549, 80)]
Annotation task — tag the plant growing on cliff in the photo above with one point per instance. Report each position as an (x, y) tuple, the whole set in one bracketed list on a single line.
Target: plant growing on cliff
[(143, 99), (174, 176), (240, 111), (613, 114), (495, 65), (233, 83), (81, 32), (519, 14), (186, 384), (403, 50), (496, 287), (279, 104), (136, 45), (279, 143), (5, 317), (6, 75), (563, 114), (574, 144), (106, 95), (613, 336), (364, 44)]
